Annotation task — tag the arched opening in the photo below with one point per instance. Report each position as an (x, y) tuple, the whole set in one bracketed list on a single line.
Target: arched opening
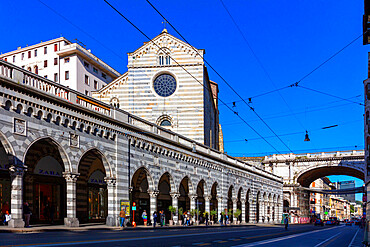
[(92, 193), (5, 183), (269, 208), (44, 184), (247, 210), (273, 208), (200, 202), (285, 205), (164, 199), (239, 204), (258, 207), (184, 200), (140, 195), (230, 203), (214, 203)]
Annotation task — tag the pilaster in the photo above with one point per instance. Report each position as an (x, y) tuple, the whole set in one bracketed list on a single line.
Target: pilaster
[(71, 219)]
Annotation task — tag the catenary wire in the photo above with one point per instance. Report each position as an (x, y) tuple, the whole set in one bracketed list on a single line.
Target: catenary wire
[(222, 78), (151, 40)]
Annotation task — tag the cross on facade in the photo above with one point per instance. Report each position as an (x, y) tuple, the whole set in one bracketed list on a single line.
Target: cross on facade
[(164, 23)]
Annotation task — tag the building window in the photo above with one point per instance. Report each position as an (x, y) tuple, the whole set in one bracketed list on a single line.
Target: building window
[(87, 80), (66, 60), (6, 59), (104, 75), (87, 92), (95, 84), (14, 59), (114, 102), (56, 77), (23, 66), (160, 60), (55, 47), (56, 61), (67, 75), (95, 70), (168, 60), (35, 53), (36, 70), (45, 63), (45, 50), (165, 123), (367, 117), (29, 54), (86, 64)]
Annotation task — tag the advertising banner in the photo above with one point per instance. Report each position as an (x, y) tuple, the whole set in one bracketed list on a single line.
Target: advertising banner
[(125, 205)]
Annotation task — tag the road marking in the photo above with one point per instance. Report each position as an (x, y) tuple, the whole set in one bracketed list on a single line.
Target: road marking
[(284, 238), (323, 242), (353, 239), (198, 243), (204, 244), (133, 239)]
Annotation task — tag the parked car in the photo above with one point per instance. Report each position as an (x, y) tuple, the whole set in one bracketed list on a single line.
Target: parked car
[(334, 220), (348, 223), (330, 222), (319, 222)]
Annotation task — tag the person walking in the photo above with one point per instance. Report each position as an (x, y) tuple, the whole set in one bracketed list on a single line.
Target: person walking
[(163, 218), (206, 218), (155, 217), (4, 209), (27, 214), (122, 215), (286, 222), (145, 218), (221, 219), (184, 219)]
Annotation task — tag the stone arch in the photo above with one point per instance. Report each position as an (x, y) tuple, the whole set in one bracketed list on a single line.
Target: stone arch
[(214, 195), (171, 180), (311, 173), (240, 197), (150, 179), (65, 158), (6, 144), (201, 194), (106, 164), (185, 190)]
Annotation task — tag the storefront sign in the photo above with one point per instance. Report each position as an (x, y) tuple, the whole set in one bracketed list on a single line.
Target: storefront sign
[(125, 205), (97, 177), (48, 166), (4, 166)]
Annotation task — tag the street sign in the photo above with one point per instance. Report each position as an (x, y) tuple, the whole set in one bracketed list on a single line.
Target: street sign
[(326, 213), (133, 208)]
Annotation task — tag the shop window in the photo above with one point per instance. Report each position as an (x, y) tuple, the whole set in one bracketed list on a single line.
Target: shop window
[(35, 53)]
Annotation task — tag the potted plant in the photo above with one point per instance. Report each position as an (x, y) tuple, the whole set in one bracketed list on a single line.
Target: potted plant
[(213, 213), (237, 213), (172, 210), (181, 211)]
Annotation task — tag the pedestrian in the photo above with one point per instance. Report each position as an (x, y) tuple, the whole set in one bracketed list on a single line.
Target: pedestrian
[(4, 209), (221, 219), (52, 212), (188, 219), (122, 215), (155, 216), (184, 218), (7, 218), (145, 218), (163, 218), (206, 218), (27, 214), (286, 222), (226, 219)]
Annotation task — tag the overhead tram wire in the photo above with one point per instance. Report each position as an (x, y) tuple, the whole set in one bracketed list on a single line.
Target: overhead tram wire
[(251, 108), (92, 37), (262, 66), (151, 40)]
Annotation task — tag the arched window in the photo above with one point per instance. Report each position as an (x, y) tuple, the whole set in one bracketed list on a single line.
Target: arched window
[(36, 70), (165, 123), (164, 56), (114, 102)]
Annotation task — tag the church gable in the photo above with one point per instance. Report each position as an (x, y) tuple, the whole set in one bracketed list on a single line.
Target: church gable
[(165, 44), (111, 87)]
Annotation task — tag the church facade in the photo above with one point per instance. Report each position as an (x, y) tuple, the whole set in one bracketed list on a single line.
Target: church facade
[(167, 84)]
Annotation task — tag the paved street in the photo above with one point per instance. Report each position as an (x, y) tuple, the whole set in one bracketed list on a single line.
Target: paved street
[(297, 235)]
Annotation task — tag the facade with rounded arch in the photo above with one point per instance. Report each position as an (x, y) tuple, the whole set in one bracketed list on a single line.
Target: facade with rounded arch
[(77, 160)]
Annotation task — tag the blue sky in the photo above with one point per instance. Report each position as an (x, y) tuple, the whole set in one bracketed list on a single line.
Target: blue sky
[(289, 38)]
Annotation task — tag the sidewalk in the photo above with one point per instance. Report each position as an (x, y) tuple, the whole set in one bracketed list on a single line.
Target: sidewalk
[(90, 227)]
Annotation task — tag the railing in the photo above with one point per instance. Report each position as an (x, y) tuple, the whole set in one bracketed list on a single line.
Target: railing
[(315, 155)]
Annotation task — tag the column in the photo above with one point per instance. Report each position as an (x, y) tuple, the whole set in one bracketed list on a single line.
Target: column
[(243, 201), (235, 201), (112, 217), (208, 205), (71, 219), (153, 203), (262, 210), (252, 218), (193, 197), (175, 203), (16, 196)]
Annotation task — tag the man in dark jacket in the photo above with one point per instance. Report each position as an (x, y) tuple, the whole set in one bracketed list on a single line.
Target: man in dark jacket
[(27, 214)]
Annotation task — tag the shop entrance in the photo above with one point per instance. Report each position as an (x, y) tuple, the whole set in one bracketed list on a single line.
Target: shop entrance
[(47, 202)]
